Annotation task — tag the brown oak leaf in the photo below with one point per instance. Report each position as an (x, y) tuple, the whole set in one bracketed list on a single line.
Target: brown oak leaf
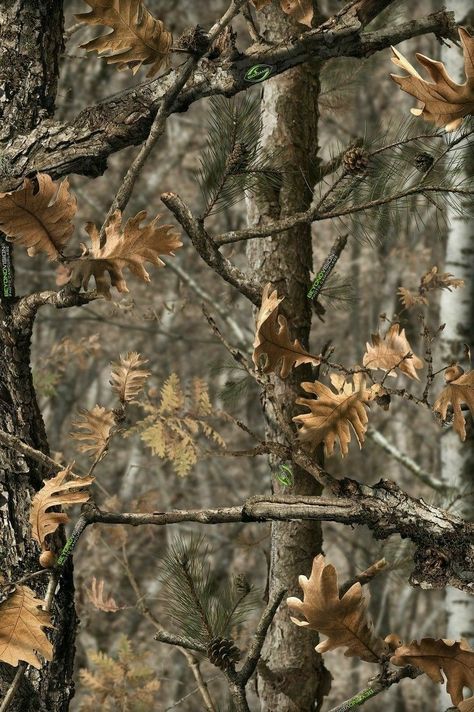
[(443, 101), (128, 377), (129, 248), (466, 705), (56, 492), (93, 429), (22, 623), (137, 38), (389, 352), (455, 659), (345, 621), (333, 415), (272, 339), (39, 216), (459, 389), (98, 599)]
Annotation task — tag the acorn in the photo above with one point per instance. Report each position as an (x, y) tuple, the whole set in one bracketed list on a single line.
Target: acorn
[(47, 560)]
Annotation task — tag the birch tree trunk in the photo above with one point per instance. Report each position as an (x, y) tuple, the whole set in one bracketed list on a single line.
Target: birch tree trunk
[(291, 676), (457, 312), (31, 42)]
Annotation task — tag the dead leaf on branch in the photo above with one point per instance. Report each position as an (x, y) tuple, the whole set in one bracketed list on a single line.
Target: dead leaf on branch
[(128, 377), (272, 339), (455, 659), (129, 248), (93, 429), (459, 390), (429, 282), (39, 215), (443, 101), (388, 353), (99, 600), (344, 620), (137, 38), (333, 415), (22, 623), (56, 492)]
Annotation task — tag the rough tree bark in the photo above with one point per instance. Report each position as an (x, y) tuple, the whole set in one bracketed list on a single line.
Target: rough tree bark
[(31, 41), (291, 676)]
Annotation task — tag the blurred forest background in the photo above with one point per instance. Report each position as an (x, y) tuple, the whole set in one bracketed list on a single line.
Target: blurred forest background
[(164, 322)]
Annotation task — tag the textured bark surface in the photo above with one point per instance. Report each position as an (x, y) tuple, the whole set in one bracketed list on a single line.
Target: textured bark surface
[(291, 675), (30, 46)]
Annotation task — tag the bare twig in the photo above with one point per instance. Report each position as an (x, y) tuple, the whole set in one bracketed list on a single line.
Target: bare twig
[(253, 655), (382, 683), (365, 577)]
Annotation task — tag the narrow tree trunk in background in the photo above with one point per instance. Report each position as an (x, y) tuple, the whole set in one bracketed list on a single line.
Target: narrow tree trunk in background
[(30, 46), (457, 312), (291, 676)]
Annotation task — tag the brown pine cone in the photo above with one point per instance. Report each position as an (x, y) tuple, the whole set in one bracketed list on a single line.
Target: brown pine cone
[(424, 161), (194, 40), (238, 159), (356, 160), (223, 653)]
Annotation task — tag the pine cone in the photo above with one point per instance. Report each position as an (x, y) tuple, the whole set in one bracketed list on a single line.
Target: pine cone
[(194, 40), (241, 585), (424, 161), (223, 653), (238, 159), (356, 160)]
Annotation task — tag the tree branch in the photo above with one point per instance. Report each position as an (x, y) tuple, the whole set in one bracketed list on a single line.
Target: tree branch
[(253, 655), (83, 145)]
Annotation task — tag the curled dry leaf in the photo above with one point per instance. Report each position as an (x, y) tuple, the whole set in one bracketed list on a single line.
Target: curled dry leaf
[(137, 38), (459, 390), (39, 216), (272, 339), (410, 299), (433, 279), (93, 429), (131, 247), (334, 414), (22, 623), (388, 353), (443, 101), (128, 377), (344, 620), (98, 599), (455, 659), (56, 492)]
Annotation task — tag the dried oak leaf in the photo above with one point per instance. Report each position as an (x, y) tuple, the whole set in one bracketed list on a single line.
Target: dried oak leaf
[(466, 705), (130, 248), (98, 599), (455, 659), (39, 217), (93, 429), (439, 280), (443, 101), (344, 620), (137, 38), (459, 389), (22, 623), (410, 299), (272, 339), (300, 10), (388, 353), (128, 377), (334, 414), (56, 492)]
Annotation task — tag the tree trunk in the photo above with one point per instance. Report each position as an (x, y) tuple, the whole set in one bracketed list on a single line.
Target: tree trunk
[(31, 42), (291, 675), (457, 312)]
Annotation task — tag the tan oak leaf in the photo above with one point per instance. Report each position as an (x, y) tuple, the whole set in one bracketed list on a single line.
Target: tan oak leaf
[(137, 38), (459, 390), (93, 429), (130, 247), (389, 352), (128, 377), (300, 10), (56, 492), (333, 415), (98, 598), (444, 102), (466, 705), (272, 339), (39, 215), (22, 623), (455, 659), (345, 621)]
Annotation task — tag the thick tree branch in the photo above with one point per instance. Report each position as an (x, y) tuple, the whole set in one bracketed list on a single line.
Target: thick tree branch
[(83, 145)]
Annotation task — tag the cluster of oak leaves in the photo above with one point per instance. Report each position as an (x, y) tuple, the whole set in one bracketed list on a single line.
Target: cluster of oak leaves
[(39, 217)]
